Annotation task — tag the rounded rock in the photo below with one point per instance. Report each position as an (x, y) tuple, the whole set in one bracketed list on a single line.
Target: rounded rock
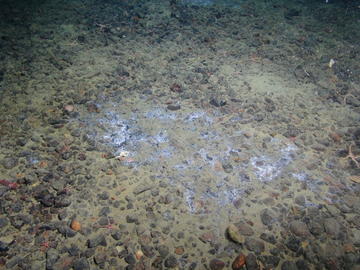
[(216, 264)]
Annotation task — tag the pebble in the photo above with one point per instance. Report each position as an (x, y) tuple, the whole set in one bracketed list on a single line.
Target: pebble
[(356, 221), (270, 261), (287, 265), (228, 168), (332, 227), (234, 234), (239, 262), (293, 243), (52, 256), (316, 228), (244, 229), (208, 237), (268, 238), (173, 107), (130, 259), (171, 262), (332, 210), (148, 251), (45, 198), (100, 257), (251, 262), (98, 240), (216, 264), (267, 216), (116, 235), (255, 245), (300, 200), (66, 231), (81, 264), (62, 201), (11, 263), (132, 218), (163, 250), (179, 250), (299, 228), (9, 162), (4, 246)]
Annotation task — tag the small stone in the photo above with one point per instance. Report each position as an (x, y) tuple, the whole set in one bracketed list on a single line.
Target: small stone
[(132, 218), (267, 216), (11, 263), (4, 246), (208, 237), (148, 251), (104, 211), (130, 259), (163, 250), (299, 228), (234, 234), (228, 168), (62, 201), (251, 262), (238, 203), (316, 228), (100, 257), (81, 264), (333, 210), (179, 250), (103, 221), (52, 256), (66, 263), (239, 262), (45, 197), (268, 238), (293, 243), (332, 227), (66, 231), (103, 196), (302, 265), (300, 200), (216, 264), (116, 235), (69, 108), (217, 102), (173, 107), (171, 262), (244, 229), (356, 221), (9, 162), (270, 261), (93, 108), (97, 241), (255, 245), (287, 265)]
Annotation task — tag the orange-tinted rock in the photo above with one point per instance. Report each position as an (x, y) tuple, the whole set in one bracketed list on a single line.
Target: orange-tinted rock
[(239, 262), (179, 250), (75, 225)]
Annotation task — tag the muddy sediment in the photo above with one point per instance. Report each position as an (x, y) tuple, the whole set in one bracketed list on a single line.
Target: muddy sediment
[(179, 135)]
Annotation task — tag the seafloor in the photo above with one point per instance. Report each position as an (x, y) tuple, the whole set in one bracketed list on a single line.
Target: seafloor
[(191, 134)]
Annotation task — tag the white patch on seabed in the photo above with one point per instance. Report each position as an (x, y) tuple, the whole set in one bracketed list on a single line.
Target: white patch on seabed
[(268, 167)]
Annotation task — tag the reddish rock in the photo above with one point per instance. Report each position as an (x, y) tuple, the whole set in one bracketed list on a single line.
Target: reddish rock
[(179, 250), (239, 262)]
